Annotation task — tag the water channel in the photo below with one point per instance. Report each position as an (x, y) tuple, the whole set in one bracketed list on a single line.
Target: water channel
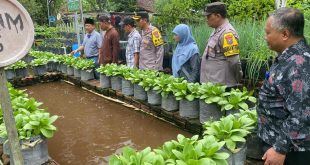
[(91, 128)]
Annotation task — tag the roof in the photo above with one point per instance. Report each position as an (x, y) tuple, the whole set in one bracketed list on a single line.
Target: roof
[(147, 5)]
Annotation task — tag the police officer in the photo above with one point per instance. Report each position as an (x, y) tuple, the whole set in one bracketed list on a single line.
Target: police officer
[(151, 48), (220, 60)]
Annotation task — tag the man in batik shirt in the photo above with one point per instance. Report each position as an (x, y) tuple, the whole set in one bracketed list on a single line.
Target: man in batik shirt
[(284, 99)]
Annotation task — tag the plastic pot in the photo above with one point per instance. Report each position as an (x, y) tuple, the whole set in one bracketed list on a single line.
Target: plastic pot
[(21, 72), (63, 68), (51, 66), (254, 146), (87, 75), (38, 154), (39, 70), (153, 98), (237, 158), (139, 93), (116, 82), (10, 74), (77, 73), (127, 87), (169, 103), (209, 112), (70, 71), (189, 109), (105, 81)]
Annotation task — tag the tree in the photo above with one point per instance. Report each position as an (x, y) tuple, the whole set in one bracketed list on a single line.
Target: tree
[(179, 11), (38, 9), (121, 5)]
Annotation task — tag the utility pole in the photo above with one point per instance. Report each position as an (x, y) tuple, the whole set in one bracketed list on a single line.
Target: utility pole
[(280, 3), (48, 12), (82, 17)]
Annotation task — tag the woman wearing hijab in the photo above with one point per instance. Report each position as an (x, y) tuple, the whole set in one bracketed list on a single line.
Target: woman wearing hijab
[(186, 59)]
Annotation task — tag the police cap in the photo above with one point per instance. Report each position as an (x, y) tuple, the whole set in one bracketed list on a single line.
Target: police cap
[(216, 7), (140, 15)]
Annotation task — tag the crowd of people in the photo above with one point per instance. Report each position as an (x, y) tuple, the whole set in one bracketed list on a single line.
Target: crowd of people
[(284, 99)]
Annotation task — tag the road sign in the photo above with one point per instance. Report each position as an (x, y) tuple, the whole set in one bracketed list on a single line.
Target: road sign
[(73, 5), (52, 19), (16, 32)]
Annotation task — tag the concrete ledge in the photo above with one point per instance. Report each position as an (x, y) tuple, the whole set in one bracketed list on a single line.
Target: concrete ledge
[(32, 80)]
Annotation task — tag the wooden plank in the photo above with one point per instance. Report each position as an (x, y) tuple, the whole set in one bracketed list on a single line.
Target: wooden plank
[(9, 120)]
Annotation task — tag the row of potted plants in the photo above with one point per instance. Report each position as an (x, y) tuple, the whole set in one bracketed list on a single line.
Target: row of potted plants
[(223, 143), (207, 101), (77, 67), (20, 68), (34, 125), (42, 62)]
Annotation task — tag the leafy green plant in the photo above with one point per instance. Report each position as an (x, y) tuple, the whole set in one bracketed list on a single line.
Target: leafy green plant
[(251, 114), (204, 152), (101, 69), (211, 93), (193, 151), (149, 79), (17, 65), (70, 61), (163, 84), (37, 123), (109, 70), (235, 99), (14, 93), (126, 72), (83, 64), (38, 62), (168, 149), (130, 156), (30, 119), (230, 129), (185, 90), (137, 76)]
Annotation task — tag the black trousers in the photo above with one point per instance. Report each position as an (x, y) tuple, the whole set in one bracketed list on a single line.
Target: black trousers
[(293, 157), (297, 158)]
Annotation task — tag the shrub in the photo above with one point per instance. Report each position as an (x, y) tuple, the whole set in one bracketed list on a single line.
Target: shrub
[(249, 9), (173, 12)]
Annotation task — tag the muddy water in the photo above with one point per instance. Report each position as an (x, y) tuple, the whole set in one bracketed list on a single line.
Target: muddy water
[(92, 128)]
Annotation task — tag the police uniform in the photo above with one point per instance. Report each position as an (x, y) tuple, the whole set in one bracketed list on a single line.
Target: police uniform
[(151, 49), (220, 61)]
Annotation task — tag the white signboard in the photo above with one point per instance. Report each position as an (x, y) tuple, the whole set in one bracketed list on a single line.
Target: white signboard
[(16, 32)]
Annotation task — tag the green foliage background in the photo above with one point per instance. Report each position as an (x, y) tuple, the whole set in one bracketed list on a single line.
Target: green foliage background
[(38, 9)]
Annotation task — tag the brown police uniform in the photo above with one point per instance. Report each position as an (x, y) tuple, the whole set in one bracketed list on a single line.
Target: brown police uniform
[(151, 49), (220, 61)]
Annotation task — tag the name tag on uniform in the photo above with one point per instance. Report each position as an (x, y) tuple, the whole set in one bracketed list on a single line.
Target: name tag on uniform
[(156, 37), (230, 45)]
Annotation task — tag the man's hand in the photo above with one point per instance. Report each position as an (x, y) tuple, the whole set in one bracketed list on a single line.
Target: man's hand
[(272, 157), (73, 52)]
